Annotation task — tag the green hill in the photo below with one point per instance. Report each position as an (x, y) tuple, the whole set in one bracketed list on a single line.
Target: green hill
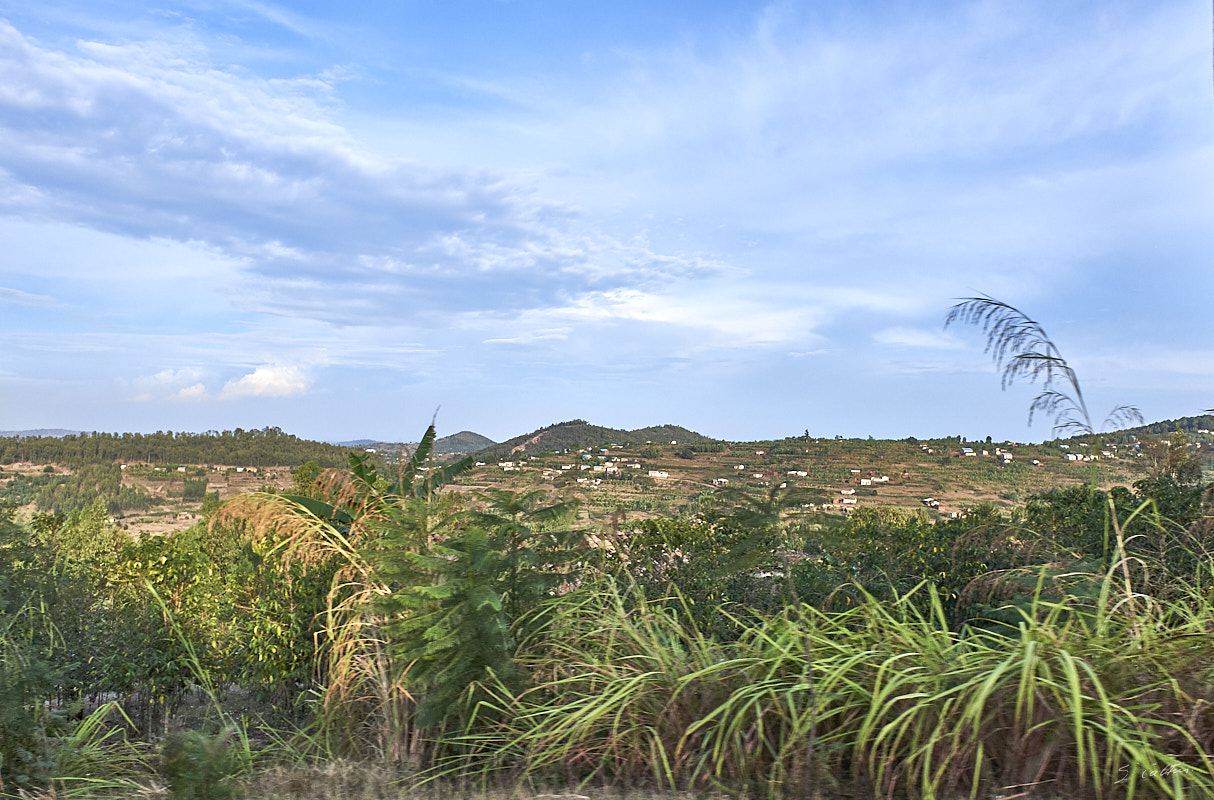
[(1191, 427), (579, 433), (264, 447), (456, 444), (462, 442)]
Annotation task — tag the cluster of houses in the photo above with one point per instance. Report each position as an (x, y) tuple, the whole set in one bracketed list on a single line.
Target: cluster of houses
[(610, 466), (1004, 455), (1111, 452), (848, 497), (251, 470)]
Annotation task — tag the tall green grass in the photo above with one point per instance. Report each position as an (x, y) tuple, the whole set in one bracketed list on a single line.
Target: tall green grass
[(1073, 701)]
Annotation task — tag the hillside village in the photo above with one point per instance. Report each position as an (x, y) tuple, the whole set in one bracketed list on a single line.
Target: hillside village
[(944, 477), (648, 477)]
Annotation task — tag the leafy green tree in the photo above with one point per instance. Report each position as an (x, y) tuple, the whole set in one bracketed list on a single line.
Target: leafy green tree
[(88, 544), (461, 596), (540, 548), (210, 505), (454, 630), (305, 479), (1170, 458)]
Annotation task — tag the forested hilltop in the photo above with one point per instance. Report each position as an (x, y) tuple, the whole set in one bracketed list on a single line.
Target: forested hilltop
[(1195, 429), (580, 433), (456, 444), (263, 447)]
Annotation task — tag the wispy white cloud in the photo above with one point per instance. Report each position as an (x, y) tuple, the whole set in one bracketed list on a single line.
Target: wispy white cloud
[(917, 338), (728, 319), (531, 337), (144, 139), (20, 298)]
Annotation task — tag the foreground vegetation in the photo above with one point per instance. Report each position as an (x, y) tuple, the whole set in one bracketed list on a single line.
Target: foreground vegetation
[(371, 634)]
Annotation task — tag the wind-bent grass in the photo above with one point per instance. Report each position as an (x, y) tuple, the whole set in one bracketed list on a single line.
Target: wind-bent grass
[(1066, 704)]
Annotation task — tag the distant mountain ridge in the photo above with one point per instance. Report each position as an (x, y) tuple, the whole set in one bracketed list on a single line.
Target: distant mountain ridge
[(53, 433), (579, 433)]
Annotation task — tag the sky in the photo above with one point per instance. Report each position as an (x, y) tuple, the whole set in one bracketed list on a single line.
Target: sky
[(747, 218)]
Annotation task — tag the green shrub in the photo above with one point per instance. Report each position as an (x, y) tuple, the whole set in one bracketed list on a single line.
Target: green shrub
[(198, 766)]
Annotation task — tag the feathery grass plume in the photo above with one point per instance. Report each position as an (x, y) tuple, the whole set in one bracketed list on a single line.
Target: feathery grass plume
[(1021, 348)]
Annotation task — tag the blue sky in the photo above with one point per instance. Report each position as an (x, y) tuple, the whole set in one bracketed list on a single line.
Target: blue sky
[(746, 218)]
